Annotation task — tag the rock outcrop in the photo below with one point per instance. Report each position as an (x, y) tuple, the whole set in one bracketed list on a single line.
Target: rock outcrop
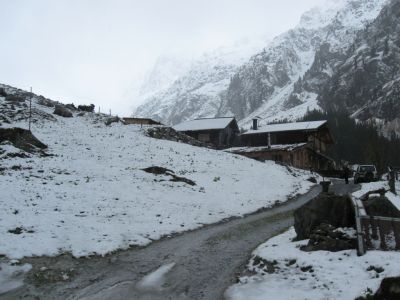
[(389, 289), (21, 138), (326, 208), (62, 111), (328, 238)]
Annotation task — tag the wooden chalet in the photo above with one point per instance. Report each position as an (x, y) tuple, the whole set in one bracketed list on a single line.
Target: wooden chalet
[(140, 121), (300, 144), (220, 132)]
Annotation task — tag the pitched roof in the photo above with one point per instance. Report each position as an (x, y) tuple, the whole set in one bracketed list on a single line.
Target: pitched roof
[(204, 124), (304, 126)]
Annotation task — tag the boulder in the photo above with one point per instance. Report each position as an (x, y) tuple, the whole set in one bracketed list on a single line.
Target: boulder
[(45, 102), (70, 106), (21, 138), (328, 238), (389, 289), (111, 120), (3, 92), (62, 111), (326, 208), (15, 98)]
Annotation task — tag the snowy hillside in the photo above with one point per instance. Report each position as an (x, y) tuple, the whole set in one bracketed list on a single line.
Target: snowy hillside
[(284, 80), (198, 91), (90, 194)]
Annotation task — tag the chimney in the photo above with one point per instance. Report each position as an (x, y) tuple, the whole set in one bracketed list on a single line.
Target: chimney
[(255, 124), (269, 140)]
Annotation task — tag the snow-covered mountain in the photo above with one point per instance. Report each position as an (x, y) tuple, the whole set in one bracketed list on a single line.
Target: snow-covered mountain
[(166, 70), (199, 90), (367, 81), (284, 80)]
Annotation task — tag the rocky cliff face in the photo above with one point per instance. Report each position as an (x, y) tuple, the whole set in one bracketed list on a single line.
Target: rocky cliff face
[(284, 80), (367, 81), (199, 90)]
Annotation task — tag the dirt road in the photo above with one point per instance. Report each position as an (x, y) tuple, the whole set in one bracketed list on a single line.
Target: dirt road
[(198, 265)]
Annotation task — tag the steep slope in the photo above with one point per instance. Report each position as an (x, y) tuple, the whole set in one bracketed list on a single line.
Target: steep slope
[(367, 83), (89, 193), (198, 92), (283, 81)]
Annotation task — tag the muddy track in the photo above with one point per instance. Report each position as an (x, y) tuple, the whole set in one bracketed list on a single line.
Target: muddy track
[(206, 262)]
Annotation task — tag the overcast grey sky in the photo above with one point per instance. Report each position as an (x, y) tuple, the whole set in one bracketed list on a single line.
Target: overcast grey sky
[(93, 51)]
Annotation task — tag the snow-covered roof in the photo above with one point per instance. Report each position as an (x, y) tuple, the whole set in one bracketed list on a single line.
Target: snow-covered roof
[(313, 125), (204, 124), (281, 147)]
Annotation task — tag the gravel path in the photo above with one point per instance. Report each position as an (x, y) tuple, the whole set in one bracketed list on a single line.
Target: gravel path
[(198, 265)]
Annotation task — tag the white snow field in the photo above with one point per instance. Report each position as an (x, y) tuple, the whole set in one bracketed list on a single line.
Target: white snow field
[(326, 275), (92, 197)]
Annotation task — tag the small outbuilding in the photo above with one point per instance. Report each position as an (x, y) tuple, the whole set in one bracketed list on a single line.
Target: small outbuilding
[(140, 121), (220, 132)]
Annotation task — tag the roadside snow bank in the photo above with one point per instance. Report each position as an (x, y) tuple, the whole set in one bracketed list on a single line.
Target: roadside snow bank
[(93, 197), (312, 275)]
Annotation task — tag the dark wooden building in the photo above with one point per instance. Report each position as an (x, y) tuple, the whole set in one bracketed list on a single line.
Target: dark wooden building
[(140, 121), (221, 132), (300, 144)]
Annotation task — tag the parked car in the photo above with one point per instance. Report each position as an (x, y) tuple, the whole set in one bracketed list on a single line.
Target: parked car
[(365, 173)]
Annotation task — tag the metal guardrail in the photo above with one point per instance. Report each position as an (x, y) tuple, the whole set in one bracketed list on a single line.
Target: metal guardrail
[(359, 211)]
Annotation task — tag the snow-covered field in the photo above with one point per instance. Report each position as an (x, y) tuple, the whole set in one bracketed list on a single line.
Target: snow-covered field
[(314, 275), (319, 274), (92, 196)]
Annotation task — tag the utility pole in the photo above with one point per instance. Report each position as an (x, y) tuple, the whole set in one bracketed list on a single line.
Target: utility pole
[(30, 110)]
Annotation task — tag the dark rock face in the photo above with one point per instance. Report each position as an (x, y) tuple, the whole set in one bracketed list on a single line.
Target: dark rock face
[(3, 92), (326, 237), (381, 206), (62, 111), (368, 77), (21, 138), (15, 98), (389, 289), (326, 208)]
